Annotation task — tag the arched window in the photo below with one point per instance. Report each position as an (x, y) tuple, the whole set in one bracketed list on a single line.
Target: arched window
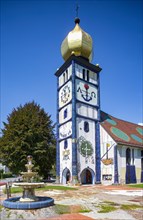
[(64, 78), (65, 113), (133, 156), (65, 144), (87, 75), (86, 126), (83, 74), (142, 160), (128, 156), (67, 75)]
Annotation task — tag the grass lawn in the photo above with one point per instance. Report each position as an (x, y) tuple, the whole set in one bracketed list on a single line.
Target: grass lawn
[(131, 207), (108, 206), (64, 209), (140, 185), (46, 188)]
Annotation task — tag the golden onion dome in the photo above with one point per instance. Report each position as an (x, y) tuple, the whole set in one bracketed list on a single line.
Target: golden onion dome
[(77, 42)]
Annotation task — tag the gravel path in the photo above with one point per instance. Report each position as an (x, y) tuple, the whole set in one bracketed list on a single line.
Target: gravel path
[(87, 197)]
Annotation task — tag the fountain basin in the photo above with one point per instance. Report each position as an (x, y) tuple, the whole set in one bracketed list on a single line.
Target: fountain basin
[(28, 199), (14, 203)]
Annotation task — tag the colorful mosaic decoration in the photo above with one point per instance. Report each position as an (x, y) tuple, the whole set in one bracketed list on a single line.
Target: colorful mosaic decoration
[(136, 138), (139, 130), (65, 94), (85, 147), (66, 154), (86, 92), (112, 122), (108, 119), (107, 161), (120, 134)]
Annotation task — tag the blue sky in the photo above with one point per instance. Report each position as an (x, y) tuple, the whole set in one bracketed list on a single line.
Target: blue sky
[(31, 36)]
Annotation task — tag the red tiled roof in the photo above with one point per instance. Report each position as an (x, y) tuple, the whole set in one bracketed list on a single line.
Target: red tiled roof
[(121, 131)]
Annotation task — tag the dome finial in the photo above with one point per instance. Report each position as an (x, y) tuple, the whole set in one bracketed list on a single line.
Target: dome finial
[(77, 7), (77, 20)]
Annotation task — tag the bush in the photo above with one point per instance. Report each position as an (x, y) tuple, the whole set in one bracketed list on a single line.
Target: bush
[(1, 174), (7, 175)]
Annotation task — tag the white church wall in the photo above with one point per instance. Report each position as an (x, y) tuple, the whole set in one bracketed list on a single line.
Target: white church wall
[(78, 70), (137, 163), (135, 160), (138, 157), (85, 145), (65, 157), (65, 94), (65, 130), (120, 163), (86, 111), (65, 114), (92, 75), (83, 90), (107, 154), (65, 76)]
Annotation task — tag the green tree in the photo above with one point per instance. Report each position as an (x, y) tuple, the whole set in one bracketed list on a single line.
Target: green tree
[(29, 131)]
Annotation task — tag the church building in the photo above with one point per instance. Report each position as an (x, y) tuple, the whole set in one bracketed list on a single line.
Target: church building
[(92, 146)]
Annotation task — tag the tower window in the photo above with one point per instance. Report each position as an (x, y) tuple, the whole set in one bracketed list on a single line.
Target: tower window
[(87, 75), (83, 74), (65, 144), (65, 113), (86, 126), (64, 78), (142, 160), (128, 156), (66, 74), (133, 156)]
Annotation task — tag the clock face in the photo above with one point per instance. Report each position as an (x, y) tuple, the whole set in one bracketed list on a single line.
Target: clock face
[(85, 147), (65, 94), (65, 130), (86, 92)]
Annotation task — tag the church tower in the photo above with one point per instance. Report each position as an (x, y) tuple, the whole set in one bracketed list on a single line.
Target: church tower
[(78, 111)]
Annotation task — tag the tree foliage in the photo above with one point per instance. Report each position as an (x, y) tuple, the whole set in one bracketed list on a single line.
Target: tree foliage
[(29, 131)]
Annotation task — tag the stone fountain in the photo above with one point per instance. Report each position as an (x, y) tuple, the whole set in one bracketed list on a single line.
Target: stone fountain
[(29, 186), (28, 200)]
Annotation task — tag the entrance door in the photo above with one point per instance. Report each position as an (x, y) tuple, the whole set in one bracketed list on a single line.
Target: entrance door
[(87, 176), (66, 176), (130, 169)]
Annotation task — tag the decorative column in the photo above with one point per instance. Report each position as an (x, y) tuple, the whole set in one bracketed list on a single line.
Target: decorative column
[(116, 180), (98, 161), (57, 136), (97, 138), (74, 141)]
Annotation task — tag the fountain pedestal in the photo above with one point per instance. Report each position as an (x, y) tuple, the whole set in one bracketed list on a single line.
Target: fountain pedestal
[(28, 196), (29, 191)]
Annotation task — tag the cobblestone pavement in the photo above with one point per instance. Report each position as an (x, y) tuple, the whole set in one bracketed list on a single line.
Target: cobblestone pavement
[(88, 197)]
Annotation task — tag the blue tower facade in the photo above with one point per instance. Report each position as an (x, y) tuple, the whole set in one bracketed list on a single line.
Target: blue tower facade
[(78, 116)]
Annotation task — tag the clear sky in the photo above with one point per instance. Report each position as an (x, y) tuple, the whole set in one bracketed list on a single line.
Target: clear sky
[(31, 36)]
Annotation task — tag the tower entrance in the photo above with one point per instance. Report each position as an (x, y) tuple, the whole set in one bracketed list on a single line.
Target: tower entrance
[(66, 176), (87, 176)]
